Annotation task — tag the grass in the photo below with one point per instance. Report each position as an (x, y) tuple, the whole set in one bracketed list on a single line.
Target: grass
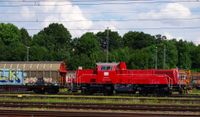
[(94, 97), (195, 91), (95, 101)]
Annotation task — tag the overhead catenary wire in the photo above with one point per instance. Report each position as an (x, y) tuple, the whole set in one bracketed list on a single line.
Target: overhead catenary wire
[(38, 3), (88, 12), (129, 28), (63, 3), (100, 1), (106, 20)]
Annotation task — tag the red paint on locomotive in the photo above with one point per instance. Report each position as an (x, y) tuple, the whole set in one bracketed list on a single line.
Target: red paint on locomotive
[(114, 73)]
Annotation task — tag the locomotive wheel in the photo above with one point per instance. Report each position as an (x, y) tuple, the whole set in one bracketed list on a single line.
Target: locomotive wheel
[(39, 91), (143, 93), (164, 92), (180, 92), (108, 90), (52, 90), (85, 91), (133, 92)]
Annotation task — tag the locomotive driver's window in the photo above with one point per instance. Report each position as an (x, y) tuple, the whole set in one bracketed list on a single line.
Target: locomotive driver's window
[(106, 68)]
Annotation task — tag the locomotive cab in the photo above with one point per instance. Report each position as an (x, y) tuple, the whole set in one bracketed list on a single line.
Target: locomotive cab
[(106, 66), (106, 72)]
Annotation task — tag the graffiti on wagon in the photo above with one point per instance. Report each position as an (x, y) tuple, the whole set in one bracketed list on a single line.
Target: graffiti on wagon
[(11, 77)]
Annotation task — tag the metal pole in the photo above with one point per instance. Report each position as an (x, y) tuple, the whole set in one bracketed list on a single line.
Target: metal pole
[(156, 59), (164, 57), (107, 45), (27, 53)]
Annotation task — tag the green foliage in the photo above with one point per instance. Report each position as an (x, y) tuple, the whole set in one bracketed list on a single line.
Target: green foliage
[(121, 54), (9, 33), (88, 44), (138, 40), (54, 42), (25, 38), (196, 58), (137, 49), (115, 40), (86, 51), (184, 58), (54, 37), (38, 53), (11, 48)]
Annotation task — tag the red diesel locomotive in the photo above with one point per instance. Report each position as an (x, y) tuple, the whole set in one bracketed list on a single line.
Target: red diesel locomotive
[(109, 77)]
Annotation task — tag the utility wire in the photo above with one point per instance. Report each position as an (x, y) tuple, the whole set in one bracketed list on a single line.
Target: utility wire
[(107, 20), (143, 28), (39, 3), (86, 12), (101, 1)]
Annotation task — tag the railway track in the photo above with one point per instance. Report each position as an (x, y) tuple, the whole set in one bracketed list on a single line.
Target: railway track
[(62, 109), (103, 98), (96, 96), (122, 95), (122, 107), (23, 113)]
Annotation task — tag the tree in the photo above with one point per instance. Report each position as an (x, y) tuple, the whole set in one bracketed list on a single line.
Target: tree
[(2, 50), (88, 44), (196, 58), (115, 40), (184, 58), (55, 36), (121, 54), (171, 54), (9, 33), (25, 38), (87, 50), (38, 53), (11, 48), (138, 40), (15, 52), (56, 39)]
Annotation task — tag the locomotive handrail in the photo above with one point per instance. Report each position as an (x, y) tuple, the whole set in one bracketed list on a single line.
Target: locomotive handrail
[(141, 74), (166, 76), (170, 81)]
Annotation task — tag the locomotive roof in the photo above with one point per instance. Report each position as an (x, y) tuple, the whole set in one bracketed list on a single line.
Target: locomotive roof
[(107, 64), (31, 65)]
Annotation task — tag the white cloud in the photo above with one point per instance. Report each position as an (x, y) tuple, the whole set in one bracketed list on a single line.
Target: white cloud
[(196, 41), (62, 12), (170, 36), (55, 12), (26, 13), (171, 10), (175, 10)]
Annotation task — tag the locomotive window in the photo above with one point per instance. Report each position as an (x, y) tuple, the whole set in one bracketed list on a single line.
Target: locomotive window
[(106, 68)]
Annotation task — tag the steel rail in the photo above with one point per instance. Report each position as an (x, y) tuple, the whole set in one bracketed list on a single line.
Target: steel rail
[(79, 94), (25, 113), (158, 99), (124, 107)]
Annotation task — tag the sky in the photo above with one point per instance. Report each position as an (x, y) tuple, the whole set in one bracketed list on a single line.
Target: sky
[(173, 18)]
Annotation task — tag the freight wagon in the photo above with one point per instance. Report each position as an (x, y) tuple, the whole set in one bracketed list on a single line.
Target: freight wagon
[(196, 80), (39, 77)]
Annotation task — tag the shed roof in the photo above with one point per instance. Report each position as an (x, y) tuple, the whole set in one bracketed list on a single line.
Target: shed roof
[(31, 65)]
